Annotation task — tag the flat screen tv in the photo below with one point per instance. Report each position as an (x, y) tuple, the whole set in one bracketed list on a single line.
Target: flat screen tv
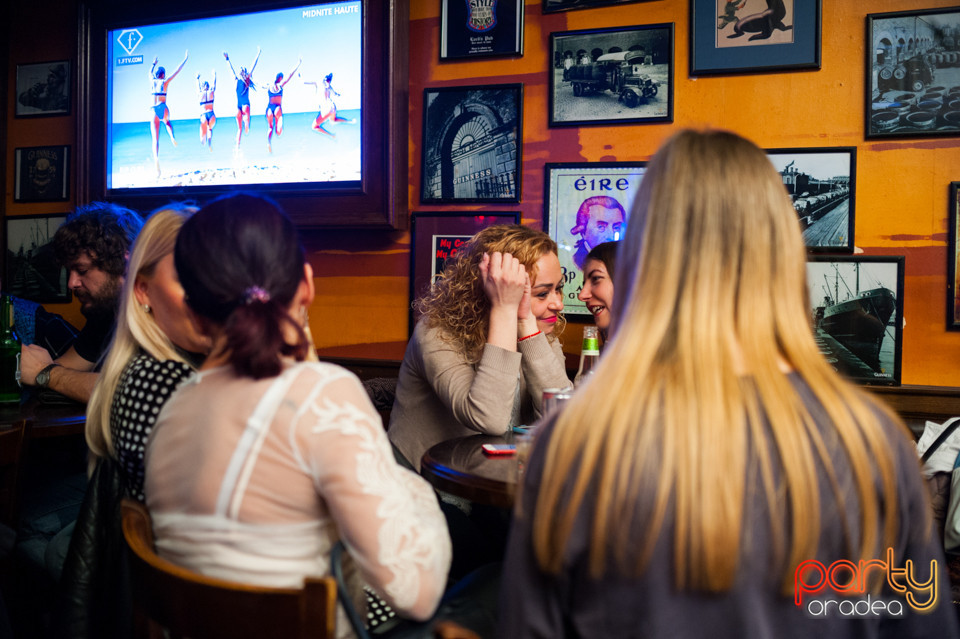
[(298, 101)]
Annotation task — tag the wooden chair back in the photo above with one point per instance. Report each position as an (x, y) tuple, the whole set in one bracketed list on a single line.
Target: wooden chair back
[(187, 604), (11, 456)]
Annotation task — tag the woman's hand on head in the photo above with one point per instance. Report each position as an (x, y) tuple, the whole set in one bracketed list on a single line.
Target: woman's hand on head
[(504, 279)]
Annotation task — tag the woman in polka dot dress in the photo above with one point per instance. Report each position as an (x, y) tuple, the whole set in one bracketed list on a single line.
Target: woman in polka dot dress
[(155, 347)]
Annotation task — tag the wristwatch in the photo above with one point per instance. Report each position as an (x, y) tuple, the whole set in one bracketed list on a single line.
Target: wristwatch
[(43, 377)]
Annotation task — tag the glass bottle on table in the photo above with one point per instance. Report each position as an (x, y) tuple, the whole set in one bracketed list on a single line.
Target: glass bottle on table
[(589, 355), (9, 355)]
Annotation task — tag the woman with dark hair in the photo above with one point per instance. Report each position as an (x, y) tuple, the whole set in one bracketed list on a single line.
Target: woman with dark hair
[(262, 461), (275, 105), (486, 346), (597, 291), (161, 112), (716, 477), (244, 84)]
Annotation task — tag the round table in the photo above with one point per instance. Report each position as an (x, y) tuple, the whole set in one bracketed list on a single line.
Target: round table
[(461, 468)]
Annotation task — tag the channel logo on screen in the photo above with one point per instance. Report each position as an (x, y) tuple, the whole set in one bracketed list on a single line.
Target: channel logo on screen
[(130, 39)]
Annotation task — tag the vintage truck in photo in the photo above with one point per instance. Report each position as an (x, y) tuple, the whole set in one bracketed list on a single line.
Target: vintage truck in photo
[(621, 73)]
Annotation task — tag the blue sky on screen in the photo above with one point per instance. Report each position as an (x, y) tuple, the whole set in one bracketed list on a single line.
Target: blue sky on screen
[(327, 37)]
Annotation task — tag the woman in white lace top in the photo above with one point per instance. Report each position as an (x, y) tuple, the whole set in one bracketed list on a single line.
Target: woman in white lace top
[(262, 461)]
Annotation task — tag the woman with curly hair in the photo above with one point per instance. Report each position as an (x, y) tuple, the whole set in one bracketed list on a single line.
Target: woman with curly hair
[(485, 346)]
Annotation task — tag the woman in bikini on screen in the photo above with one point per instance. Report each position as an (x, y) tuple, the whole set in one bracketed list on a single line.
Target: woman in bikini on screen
[(328, 110), (160, 82), (244, 84), (274, 105), (208, 119)]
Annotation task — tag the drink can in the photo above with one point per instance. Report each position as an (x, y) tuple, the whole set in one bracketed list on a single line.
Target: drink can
[(555, 397)]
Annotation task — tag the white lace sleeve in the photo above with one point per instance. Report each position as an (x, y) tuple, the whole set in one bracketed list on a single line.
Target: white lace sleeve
[(387, 516)]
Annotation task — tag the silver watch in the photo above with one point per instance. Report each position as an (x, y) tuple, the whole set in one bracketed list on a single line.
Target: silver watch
[(43, 377)]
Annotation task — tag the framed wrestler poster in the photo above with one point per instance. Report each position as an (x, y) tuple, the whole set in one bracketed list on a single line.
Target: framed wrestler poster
[(587, 204), (436, 236), (480, 28), (753, 36)]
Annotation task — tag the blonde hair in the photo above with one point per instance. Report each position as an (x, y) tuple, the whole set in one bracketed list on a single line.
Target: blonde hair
[(456, 303), (135, 329), (711, 301)]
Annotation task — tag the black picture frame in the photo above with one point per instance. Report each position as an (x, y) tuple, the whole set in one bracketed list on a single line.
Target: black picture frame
[(822, 183), (428, 228), (953, 255), (477, 30), (472, 144), (41, 174), (776, 35), (568, 189), (43, 89), (32, 271), (553, 6), (856, 303), (622, 75), (906, 52)]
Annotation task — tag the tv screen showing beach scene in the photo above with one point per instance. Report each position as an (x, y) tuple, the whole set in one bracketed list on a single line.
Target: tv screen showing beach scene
[(265, 98)]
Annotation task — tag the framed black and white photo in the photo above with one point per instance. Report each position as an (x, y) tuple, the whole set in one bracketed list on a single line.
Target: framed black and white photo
[(32, 270), (822, 185), (856, 303), (474, 28), (913, 73), (41, 174), (586, 204), (471, 144), (435, 237), (612, 76), (43, 89), (552, 6), (753, 36), (953, 256)]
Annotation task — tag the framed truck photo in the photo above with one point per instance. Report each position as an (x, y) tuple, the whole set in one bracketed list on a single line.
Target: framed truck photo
[(612, 76)]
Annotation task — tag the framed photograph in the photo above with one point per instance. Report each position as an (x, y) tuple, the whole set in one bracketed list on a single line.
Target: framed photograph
[(32, 270), (953, 255), (586, 204), (612, 76), (435, 237), (856, 303), (552, 6), (911, 73), (43, 89), (753, 36), (41, 174), (480, 29), (471, 144), (822, 185)]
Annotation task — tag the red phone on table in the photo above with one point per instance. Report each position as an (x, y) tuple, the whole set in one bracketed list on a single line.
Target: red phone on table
[(499, 449)]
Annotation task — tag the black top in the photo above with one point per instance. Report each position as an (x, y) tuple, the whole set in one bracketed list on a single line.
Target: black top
[(573, 604), (94, 337)]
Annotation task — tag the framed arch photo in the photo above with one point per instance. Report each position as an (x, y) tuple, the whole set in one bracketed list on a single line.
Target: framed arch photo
[(913, 73), (471, 145)]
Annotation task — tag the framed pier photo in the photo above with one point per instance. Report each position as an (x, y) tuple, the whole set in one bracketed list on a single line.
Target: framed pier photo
[(856, 308)]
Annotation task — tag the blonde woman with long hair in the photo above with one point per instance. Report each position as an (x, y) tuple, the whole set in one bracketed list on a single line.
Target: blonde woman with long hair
[(486, 345), (715, 450), (155, 347)]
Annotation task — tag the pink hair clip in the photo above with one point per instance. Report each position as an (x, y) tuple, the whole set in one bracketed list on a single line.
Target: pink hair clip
[(255, 294)]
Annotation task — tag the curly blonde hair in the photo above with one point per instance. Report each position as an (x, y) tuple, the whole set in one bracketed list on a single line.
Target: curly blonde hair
[(457, 304)]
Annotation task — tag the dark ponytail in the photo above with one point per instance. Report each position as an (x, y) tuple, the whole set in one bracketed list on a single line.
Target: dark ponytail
[(240, 264)]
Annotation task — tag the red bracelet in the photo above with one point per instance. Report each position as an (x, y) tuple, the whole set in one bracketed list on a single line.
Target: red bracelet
[(528, 336)]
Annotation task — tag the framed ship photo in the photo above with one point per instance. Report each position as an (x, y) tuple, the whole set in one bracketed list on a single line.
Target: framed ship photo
[(912, 81), (612, 76), (32, 269), (586, 204), (753, 36), (480, 29), (856, 305), (953, 257), (471, 146), (822, 185), (435, 237)]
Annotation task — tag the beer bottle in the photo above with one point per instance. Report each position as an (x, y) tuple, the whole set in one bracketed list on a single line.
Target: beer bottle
[(589, 355), (9, 355)]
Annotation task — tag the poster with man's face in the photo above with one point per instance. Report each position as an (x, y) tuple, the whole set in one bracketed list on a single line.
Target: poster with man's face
[(588, 204)]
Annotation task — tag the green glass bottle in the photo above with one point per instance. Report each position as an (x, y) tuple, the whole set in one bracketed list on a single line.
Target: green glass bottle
[(9, 355)]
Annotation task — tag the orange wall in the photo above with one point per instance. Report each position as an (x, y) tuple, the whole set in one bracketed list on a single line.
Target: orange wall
[(362, 283)]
